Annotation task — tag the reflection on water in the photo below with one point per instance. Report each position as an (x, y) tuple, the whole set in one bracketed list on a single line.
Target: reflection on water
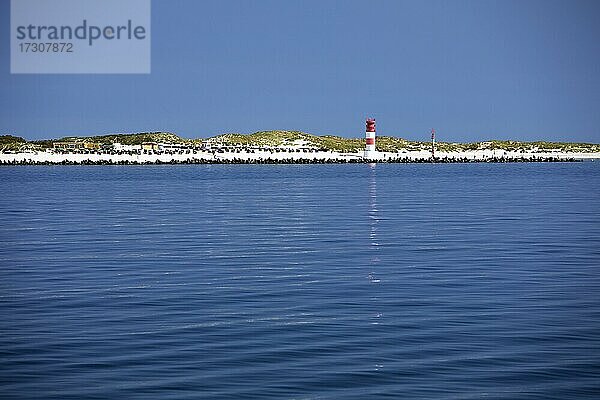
[(374, 275), (373, 222)]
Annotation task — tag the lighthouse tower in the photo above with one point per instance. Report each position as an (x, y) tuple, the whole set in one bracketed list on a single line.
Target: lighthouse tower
[(370, 136)]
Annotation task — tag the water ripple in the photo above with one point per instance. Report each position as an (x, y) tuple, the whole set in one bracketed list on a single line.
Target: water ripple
[(303, 282)]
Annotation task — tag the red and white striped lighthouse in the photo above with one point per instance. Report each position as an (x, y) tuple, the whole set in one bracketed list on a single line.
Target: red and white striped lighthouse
[(370, 136)]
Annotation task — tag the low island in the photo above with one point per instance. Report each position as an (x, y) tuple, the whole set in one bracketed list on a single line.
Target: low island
[(275, 147)]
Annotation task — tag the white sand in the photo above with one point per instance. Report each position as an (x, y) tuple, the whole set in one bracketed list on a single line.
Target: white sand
[(277, 154)]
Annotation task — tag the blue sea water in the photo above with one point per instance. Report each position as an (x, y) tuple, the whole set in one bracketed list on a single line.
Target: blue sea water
[(460, 281)]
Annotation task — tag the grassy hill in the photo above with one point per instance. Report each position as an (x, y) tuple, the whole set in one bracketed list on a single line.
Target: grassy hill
[(386, 143), (123, 138), (10, 142), (264, 138), (288, 138), (128, 138), (279, 138), (511, 145)]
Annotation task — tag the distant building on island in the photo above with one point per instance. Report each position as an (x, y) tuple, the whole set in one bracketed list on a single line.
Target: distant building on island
[(126, 147), (150, 146), (76, 146)]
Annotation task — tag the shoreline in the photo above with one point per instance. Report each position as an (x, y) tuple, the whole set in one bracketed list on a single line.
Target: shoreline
[(280, 156)]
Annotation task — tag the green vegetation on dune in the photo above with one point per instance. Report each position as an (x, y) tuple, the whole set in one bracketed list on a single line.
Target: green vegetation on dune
[(277, 138), (122, 138), (128, 138), (8, 139), (283, 138), (264, 138), (336, 143), (10, 142), (511, 145), (287, 138), (390, 143)]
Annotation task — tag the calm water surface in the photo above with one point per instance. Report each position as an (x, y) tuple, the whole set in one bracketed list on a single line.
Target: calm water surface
[(300, 282)]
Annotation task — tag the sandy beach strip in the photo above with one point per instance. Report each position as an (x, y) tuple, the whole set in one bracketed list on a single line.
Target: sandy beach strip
[(280, 155)]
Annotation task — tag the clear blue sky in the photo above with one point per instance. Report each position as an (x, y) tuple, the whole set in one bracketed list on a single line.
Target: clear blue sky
[(474, 70)]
